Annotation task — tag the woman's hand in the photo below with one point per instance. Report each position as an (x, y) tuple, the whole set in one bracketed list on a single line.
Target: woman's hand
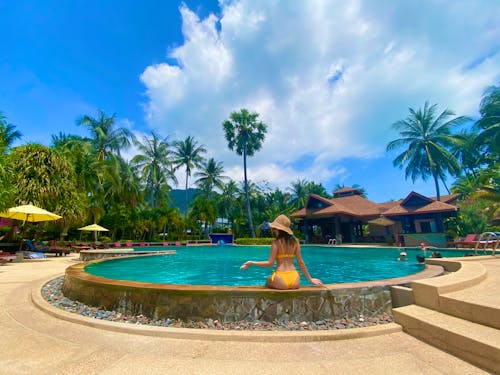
[(245, 265), (317, 282)]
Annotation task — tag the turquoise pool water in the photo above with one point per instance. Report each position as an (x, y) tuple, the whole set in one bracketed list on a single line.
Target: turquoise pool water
[(220, 265)]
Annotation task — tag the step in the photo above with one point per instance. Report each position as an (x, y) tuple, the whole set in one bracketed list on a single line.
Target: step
[(472, 342), (471, 311)]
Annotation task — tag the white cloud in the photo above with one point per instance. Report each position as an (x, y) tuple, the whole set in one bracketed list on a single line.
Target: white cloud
[(328, 77)]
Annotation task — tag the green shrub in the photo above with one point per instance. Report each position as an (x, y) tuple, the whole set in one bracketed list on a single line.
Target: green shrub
[(254, 241), (389, 240)]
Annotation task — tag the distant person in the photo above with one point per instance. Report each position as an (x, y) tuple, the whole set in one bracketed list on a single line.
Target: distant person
[(436, 254), (284, 249), (402, 256), (424, 247), (420, 259)]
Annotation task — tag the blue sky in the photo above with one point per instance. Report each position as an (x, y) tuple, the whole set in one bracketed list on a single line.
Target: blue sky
[(328, 77)]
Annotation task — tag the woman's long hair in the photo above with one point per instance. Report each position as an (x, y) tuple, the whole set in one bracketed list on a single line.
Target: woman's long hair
[(287, 243)]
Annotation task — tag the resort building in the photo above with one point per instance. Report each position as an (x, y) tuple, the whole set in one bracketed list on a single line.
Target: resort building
[(349, 217)]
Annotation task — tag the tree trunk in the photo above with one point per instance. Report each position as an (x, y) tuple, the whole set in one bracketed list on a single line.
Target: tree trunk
[(249, 211), (436, 182), (186, 200)]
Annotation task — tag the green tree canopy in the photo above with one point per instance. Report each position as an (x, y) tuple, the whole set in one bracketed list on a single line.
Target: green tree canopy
[(245, 135), (427, 137), (188, 154)]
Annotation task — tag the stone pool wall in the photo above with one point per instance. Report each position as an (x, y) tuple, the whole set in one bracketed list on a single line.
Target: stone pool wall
[(227, 304), (88, 255)]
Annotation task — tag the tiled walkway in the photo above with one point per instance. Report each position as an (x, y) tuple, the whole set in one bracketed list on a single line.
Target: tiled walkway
[(35, 342)]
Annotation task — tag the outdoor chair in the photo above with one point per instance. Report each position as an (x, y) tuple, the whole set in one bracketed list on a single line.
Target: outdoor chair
[(33, 247), (55, 248), (468, 241)]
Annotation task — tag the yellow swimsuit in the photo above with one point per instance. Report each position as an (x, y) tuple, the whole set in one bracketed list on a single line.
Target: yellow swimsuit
[(288, 277)]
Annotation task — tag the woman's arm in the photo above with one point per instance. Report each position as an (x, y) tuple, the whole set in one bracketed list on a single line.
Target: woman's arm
[(267, 264), (303, 268)]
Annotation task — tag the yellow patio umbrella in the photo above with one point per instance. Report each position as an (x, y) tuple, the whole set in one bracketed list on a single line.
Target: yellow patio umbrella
[(30, 213), (94, 228)]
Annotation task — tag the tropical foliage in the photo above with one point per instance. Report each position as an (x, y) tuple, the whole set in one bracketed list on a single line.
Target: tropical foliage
[(428, 138), (188, 154), (86, 180), (245, 135)]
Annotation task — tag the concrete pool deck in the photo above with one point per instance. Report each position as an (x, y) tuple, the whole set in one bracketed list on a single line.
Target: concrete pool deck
[(36, 342)]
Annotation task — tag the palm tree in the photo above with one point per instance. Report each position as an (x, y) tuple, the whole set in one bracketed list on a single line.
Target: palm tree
[(467, 152), (245, 135), (210, 176), (106, 138), (228, 201), (187, 154), (8, 134), (489, 123), (8, 190), (299, 193), (427, 137), (155, 167)]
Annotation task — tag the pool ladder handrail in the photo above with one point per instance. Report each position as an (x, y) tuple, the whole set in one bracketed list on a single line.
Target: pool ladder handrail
[(485, 239)]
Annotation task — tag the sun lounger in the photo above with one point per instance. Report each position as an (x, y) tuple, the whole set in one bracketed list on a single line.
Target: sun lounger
[(6, 257), (487, 240), (468, 241), (35, 248), (55, 248)]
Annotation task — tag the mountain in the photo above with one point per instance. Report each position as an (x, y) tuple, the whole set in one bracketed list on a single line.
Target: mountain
[(179, 197)]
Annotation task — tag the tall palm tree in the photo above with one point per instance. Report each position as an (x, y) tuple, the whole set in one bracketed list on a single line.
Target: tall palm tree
[(211, 176), (228, 201), (489, 123), (245, 135), (8, 134), (154, 167), (467, 152), (106, 137), (188, 154), (427, 137), (299, 193)]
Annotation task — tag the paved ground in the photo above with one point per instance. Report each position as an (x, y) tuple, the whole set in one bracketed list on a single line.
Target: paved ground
[(35, 342)]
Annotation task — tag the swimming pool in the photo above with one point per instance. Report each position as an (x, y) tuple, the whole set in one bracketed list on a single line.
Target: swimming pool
[(220, 265), (186, 293)]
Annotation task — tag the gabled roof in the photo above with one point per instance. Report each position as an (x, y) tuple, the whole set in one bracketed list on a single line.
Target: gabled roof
[(346, 191), (450, 198), (433, 207), (353, 204)]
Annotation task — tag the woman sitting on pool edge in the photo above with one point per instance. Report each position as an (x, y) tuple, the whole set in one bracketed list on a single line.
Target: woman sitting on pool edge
[(284, 248)]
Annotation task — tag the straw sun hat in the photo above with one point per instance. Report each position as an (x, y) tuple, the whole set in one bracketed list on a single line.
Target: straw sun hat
[(282, 223)]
